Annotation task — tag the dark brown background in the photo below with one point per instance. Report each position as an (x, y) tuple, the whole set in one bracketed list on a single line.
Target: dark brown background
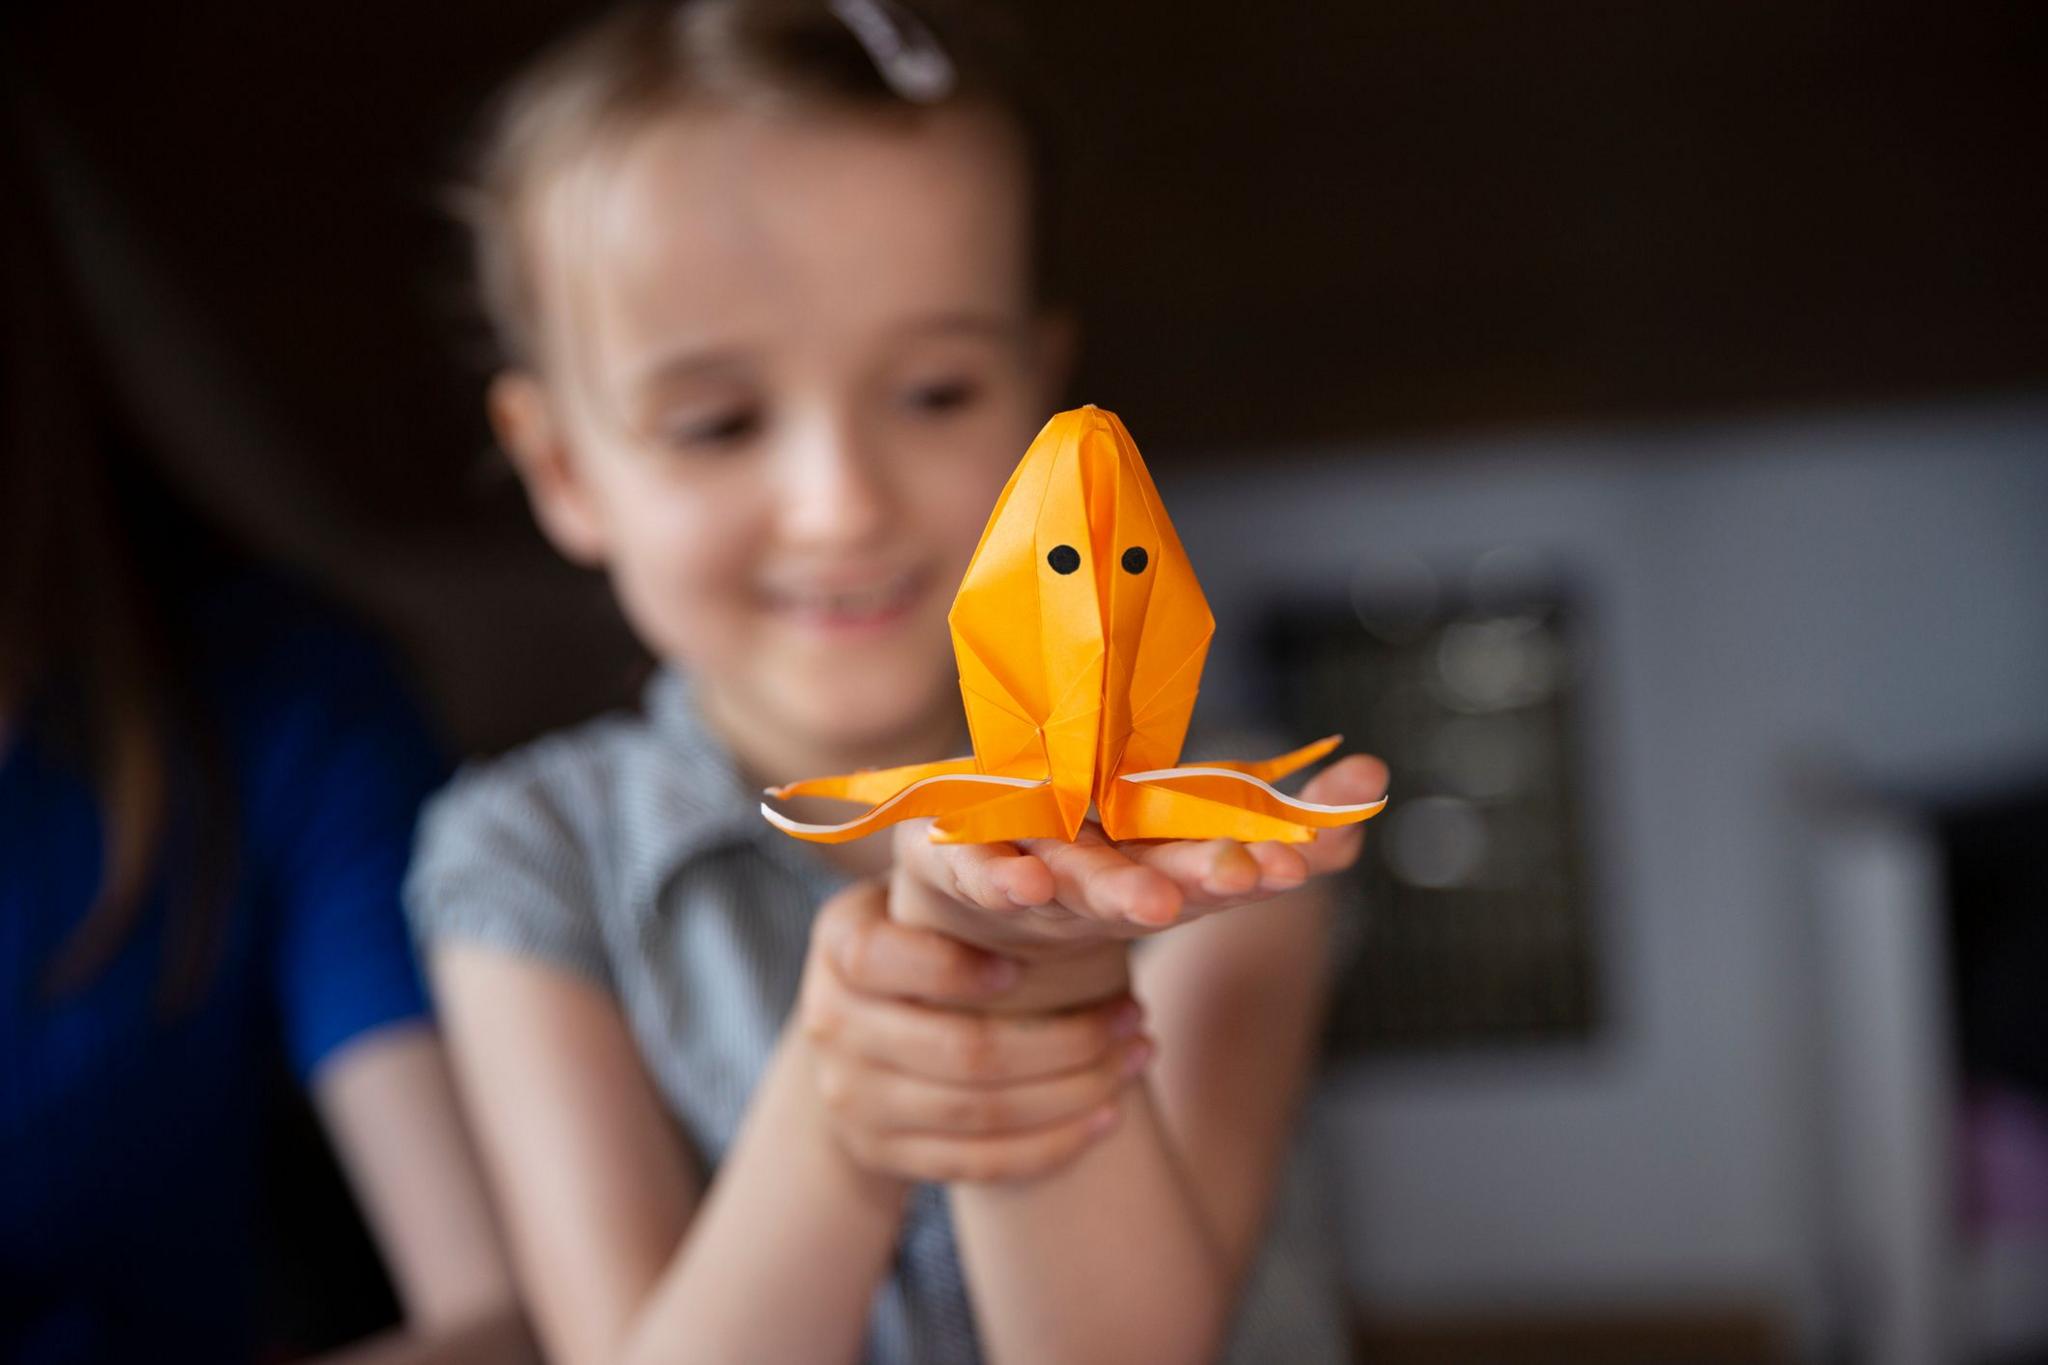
[(1306, 222)]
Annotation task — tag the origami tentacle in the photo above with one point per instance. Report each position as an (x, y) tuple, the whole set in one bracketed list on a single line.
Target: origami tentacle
[(1217, 802), (1150, 811), (943, 794), (872, 785), (1279, 766), (1032, 813)]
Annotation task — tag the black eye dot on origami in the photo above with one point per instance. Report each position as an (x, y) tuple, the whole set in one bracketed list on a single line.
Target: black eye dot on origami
[(1063, 558), (1135, 559)]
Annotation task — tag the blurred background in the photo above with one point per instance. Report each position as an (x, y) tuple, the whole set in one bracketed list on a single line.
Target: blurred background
[(1632, 421)]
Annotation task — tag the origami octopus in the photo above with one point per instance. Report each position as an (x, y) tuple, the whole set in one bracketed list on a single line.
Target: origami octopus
[(1080, 633)]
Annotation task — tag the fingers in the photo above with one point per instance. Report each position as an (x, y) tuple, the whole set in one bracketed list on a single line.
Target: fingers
[(1137, 887), (869, 952), (1352, 779), (1101, 882), (1281, 866), (1214, 873), (931, 1093), (967, 1048), (993, 877), (861, 1095), (1207, 871)]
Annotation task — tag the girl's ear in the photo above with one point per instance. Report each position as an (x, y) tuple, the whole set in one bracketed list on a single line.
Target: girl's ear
[(1057, 343), (563, 504)]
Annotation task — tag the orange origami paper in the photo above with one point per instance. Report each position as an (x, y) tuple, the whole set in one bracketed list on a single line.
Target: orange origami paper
[(1080, 632)]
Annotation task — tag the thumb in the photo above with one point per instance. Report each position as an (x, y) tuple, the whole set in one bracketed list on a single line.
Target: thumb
[(1350, 781), (1347, 782)]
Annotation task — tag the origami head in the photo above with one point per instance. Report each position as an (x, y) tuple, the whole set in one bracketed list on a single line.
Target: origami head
[(1079, 615)]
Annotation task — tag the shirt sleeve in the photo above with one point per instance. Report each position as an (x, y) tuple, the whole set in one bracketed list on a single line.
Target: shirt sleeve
[(344, 762), (500, 863)]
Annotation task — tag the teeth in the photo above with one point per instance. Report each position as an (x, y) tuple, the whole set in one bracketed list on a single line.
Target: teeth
[(856, 602)]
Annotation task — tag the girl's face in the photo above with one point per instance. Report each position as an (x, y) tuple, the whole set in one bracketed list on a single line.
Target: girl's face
[(789, 363)]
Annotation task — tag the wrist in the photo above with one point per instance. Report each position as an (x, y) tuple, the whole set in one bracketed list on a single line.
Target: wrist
[(879, 1189)]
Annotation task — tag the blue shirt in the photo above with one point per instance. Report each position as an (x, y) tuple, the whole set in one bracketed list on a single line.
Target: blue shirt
[(131, 1141)]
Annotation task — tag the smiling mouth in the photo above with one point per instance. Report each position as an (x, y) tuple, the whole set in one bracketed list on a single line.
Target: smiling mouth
[(872, 604)]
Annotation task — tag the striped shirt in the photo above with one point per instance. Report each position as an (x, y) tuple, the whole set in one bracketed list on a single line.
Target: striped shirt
[(628, 850)]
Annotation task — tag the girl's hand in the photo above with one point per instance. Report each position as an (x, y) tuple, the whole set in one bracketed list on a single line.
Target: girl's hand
[(921, 1081), (1042, 899)]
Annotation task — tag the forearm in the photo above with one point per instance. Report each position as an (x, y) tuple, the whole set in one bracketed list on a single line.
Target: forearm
[(789, 1221), (1037, 1255), (1125, 1212), (496, 1339)]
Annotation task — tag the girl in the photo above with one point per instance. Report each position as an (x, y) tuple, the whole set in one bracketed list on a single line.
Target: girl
[(772, 292), (206, 804)]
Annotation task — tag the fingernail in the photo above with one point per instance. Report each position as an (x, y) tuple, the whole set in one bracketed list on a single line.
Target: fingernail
[(1125, 1021), (1231, 872), (1001, 974), (1103, 1120), (1139, 1054)]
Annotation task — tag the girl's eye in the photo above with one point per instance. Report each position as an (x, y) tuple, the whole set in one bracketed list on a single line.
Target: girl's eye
[(716, 431), (947, 395)]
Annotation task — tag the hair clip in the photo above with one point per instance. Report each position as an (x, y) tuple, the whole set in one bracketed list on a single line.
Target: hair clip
[(903, 50)]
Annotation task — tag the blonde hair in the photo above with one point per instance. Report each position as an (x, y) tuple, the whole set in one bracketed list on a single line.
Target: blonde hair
[(643, 62)]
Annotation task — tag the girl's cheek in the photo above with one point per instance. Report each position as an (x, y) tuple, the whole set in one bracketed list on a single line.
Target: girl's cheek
[(706, 568), (684, 564)]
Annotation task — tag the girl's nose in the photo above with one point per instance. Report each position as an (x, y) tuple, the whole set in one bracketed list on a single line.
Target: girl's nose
[(836, 493)]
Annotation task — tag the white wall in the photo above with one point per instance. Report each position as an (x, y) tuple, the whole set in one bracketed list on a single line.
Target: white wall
[(1868, 591)]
